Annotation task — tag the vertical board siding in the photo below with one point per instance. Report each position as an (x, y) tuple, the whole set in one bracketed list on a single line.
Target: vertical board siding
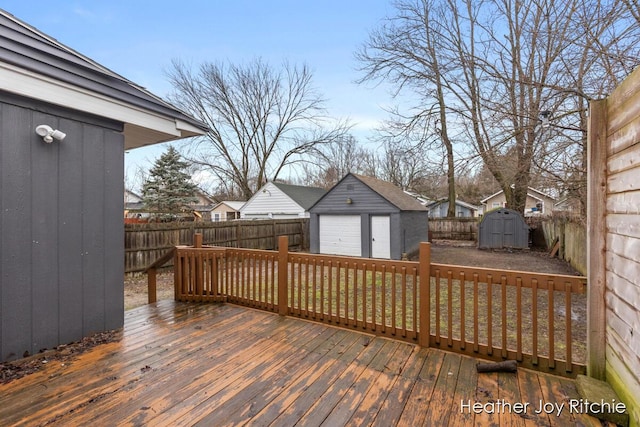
[(113, 206), (44, 236), (16, 238), (70, 275), (60, 231), (93, 237)]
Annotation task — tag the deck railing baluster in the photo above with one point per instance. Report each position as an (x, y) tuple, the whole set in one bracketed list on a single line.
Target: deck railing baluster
[(382, 296)]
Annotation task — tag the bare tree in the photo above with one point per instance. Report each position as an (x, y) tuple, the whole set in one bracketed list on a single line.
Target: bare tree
[(594, 65), (497, 70), (261, 120), (404, 51), (328, 163)]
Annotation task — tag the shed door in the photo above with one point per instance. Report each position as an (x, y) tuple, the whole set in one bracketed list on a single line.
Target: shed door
[(340, 235), (380, 237)]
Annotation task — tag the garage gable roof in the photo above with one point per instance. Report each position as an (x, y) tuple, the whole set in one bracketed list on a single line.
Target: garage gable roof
[(390, 193), (303, 196), (37, 66)]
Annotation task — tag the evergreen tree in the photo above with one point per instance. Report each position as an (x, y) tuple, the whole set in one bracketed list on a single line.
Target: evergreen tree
[(168, 191)]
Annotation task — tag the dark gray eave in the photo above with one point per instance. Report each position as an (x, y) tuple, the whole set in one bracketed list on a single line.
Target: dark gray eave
[(26, 50)]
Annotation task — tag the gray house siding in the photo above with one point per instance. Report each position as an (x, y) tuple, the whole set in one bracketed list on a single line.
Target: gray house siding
[(363, 200), (415, 230), (61, 251)]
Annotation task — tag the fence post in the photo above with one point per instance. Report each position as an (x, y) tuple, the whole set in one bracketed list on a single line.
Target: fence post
[(596, 239), (425, 294), (283, 282)]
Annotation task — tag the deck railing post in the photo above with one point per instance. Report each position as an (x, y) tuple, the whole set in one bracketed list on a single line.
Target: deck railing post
[(198, 286), (425, 294), (197, 240), (283, 281), (177, 276), (151, 285)]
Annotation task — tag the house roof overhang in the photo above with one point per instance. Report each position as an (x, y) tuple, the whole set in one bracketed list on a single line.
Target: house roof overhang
[(37, 66), (141, 126)]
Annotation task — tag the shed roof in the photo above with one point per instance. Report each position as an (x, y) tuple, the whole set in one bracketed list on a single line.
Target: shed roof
[(391, 193), (303, 196), (37, 66)]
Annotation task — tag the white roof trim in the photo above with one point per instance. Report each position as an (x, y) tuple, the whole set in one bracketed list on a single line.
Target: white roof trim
[(138, 122)]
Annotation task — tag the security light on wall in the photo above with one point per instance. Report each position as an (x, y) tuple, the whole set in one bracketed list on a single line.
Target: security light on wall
[(48, 134)]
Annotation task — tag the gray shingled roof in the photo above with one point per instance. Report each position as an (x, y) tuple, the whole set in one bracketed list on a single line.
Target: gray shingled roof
[(304, 196), (28, 48), (391, 193)]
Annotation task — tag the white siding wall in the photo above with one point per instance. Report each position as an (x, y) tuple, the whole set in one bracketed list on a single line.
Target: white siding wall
[(271, 202)]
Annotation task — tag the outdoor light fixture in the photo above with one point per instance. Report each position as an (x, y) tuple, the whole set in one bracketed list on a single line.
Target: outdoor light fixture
[(349, 201), (48, 134)]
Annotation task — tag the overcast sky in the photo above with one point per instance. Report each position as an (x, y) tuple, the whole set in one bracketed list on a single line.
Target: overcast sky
[(138, 39)]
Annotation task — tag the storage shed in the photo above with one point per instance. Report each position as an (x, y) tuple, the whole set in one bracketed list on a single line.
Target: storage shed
[(366, 217), (65, 123), (503, 228)]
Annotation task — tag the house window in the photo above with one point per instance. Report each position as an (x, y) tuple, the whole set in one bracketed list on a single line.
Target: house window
[(216, 217), (496, 205)]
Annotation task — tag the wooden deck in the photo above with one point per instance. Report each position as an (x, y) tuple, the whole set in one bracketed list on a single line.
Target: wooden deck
[(215, 364)]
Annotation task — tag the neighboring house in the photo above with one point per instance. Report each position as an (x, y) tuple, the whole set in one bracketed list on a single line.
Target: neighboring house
[(202, 208), (568, 206), (226, 210), (281, 201), (439, 209), (538, 203), (366, 217), (65, 123), (134, 208), (132, 202)]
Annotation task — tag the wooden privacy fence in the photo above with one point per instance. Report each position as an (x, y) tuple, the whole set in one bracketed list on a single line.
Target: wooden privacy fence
[(494, 314), (454, 228), (145, 243)]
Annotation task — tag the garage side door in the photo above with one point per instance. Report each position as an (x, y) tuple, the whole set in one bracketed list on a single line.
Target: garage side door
[(340, 235), (380, 237)]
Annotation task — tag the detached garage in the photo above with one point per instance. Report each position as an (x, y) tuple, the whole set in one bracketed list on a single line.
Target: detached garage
[(366, 217)]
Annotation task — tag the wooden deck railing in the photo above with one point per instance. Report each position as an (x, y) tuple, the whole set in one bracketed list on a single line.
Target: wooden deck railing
[(495, 314)]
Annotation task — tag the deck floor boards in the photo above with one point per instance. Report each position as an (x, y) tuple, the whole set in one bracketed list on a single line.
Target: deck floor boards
[(221, 364)]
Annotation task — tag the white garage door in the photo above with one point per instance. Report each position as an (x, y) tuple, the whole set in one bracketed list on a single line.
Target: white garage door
[(340, 235)]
